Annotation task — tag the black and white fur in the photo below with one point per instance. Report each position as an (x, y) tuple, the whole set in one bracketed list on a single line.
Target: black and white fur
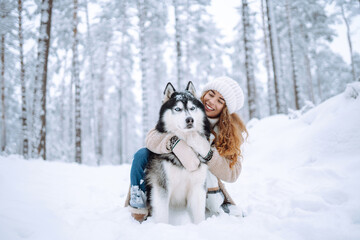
[(168, 183)]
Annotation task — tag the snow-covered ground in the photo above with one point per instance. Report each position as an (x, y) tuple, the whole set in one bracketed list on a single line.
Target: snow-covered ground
[(300, 180)]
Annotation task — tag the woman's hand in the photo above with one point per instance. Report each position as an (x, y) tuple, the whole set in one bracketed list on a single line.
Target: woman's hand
[(185, 154), (199, 143)]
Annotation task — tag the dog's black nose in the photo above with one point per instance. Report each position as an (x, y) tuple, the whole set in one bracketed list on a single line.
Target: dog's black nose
[(189, 120)]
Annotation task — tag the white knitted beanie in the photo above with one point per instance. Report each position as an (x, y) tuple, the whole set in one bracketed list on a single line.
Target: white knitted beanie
[(230, 90)]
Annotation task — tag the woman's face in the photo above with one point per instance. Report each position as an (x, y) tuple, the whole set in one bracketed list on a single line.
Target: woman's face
[(214, 103)]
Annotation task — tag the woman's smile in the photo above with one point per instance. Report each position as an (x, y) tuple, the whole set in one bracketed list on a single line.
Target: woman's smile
[(214, 103)]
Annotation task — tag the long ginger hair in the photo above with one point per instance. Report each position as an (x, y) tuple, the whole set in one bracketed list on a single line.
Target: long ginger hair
[(230, 137)]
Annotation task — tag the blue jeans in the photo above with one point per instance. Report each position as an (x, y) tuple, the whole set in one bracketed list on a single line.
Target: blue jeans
[(138, 167)]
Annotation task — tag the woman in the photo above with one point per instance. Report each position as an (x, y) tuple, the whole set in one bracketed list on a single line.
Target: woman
[(221, 98)]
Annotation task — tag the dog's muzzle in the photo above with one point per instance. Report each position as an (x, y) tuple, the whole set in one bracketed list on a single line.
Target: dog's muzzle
[(189, 122)]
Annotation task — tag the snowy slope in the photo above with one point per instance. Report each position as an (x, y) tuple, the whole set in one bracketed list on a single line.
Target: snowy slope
[(300, 180)]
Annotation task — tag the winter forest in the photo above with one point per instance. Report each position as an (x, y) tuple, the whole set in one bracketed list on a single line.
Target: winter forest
[(82, 80)]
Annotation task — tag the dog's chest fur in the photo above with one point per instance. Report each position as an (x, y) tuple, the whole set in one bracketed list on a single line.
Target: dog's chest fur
[(182, 182)]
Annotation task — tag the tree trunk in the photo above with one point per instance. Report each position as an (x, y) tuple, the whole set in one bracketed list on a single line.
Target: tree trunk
[(75, 73), (71, 114), (39, 110), (274, 53), (270, 82), (187, 71), (3, 118), (5, 13), (120, 148), (292, 56), (178, 45), (62, 105), (100, 110), (122, 67), (318, 80), (309, 76), (142, 13), (23, 86), (92, 95), (349, 42), (251, 86), (307, 64)]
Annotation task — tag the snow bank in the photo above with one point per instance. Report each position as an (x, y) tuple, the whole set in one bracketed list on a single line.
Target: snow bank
[(300, 180)]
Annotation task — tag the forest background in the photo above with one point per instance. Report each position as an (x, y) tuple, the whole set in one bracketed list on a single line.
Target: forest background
[(82, 80)]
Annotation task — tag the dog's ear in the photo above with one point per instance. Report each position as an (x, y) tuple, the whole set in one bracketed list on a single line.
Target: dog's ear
[(190, 87), (169, 90)]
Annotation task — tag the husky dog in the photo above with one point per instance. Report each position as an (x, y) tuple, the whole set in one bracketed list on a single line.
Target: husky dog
[(168, 183)]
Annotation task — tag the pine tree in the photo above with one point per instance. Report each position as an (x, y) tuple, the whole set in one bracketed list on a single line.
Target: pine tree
[(314, 31), (121, 60), (335, 73), (203, 53), (156, 41)]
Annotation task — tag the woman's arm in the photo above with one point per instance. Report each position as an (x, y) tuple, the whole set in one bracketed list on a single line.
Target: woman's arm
[(158, 142), (220, 167), (161, 143)]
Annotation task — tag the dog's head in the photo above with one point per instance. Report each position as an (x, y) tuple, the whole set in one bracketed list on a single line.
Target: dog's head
[(182, 112)]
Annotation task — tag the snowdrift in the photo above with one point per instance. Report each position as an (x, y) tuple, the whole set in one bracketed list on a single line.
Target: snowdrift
[(300, 180)]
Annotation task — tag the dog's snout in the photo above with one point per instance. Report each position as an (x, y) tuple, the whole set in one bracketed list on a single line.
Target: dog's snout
[(189, 120)]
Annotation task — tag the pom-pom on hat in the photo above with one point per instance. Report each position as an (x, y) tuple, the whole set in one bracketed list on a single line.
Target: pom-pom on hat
[(230, 90)]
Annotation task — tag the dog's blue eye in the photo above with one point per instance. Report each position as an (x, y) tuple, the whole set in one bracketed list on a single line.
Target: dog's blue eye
[(192, 108), (177, 109)]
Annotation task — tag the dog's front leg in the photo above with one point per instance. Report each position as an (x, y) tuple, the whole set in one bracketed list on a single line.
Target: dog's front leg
[(160, 205), (196, 203)]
